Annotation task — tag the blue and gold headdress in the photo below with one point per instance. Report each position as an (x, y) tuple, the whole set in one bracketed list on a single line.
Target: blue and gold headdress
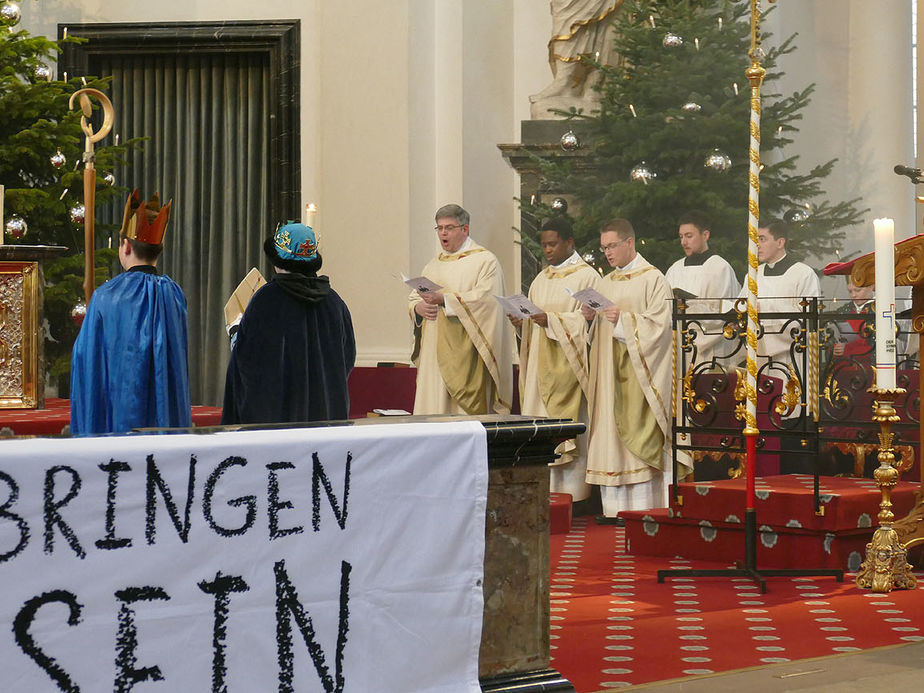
[(295, 241)]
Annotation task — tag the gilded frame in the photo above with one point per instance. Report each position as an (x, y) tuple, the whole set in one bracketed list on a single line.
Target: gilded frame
[(20, 297)]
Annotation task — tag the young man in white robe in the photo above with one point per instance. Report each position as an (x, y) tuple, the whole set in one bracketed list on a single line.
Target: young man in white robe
[(708, 277), (464, 344), (629, 447), (553, 352), (782, 283)]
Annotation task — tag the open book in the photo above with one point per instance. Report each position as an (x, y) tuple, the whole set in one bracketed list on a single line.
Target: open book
[(234, 308)]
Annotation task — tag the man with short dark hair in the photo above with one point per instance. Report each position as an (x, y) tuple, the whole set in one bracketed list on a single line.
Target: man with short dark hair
[(782, 282), (629, 448), (129, 364), (295, 347), (703, 278), (553, 351), (701, 272), (463, 343)]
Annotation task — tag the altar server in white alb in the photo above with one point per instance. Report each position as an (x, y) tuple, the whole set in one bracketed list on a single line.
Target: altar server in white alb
[(463, 342), (703, 274), (629, 449), (553, 352), (782, 283)]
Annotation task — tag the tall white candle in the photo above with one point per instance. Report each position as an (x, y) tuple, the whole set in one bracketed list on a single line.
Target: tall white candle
[(2, 223), (884, 234), (310, 213)]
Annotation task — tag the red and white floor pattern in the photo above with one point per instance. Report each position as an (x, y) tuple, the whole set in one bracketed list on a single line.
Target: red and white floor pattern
[(613, 625)]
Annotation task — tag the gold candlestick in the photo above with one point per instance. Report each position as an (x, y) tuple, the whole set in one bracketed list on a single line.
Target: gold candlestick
[(886, 566)]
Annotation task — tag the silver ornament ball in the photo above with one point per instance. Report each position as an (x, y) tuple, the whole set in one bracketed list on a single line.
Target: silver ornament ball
[(560, 205), (797, 215), (718, 161), (78, 214), (641, 172), (42, 73), (10, 14), (691, 107), (570, 141), (78, 313), (16, 226), (109, 179), (58, 159), (672, 40)]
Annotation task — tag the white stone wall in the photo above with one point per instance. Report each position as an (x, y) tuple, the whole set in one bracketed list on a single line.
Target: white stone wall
[(404, 101)]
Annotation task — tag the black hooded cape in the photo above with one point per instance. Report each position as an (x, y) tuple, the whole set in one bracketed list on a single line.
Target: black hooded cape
[(293, 354)]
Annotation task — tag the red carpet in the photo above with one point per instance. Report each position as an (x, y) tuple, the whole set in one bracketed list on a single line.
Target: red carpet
[(613, 625)]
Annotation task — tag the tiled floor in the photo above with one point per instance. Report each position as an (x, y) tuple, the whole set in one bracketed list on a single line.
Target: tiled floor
[(898, 668)]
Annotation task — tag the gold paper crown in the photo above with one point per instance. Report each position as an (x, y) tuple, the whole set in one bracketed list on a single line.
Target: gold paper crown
[(145, 222)]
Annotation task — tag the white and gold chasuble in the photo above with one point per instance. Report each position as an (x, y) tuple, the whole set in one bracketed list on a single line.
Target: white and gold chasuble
[(464, 358), (553, 365), (631, 380)]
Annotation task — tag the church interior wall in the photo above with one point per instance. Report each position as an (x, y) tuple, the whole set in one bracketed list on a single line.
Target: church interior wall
[(859, 57), (404, 102)]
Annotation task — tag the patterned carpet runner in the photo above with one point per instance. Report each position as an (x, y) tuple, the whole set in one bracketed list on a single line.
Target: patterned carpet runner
[(613, 625)]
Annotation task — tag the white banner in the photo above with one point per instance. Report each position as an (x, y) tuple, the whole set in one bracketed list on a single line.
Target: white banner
[(317, 559)]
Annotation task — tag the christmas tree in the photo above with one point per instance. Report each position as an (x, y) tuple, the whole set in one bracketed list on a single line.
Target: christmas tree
[(672, 133), (41, 147)]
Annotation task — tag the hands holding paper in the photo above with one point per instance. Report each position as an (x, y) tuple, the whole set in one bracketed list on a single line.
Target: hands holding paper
[(611, 313), (430, 295)]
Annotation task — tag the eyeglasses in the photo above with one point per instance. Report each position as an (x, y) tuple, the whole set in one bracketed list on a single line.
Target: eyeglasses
[(451, 227), (613, 246)]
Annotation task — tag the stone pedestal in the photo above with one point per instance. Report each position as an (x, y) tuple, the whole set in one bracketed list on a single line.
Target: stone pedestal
[(22, 363), (515, 633)]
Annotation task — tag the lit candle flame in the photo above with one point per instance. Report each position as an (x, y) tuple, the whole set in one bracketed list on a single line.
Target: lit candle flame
[(310, 214)]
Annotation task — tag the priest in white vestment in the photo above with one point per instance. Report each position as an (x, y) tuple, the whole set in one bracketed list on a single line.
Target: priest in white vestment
[(553, 352), (708, 277), (463, 342), (629, 447)]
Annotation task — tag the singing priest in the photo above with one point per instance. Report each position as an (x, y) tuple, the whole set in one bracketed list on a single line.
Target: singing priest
[(553, 352), (463, 342), (628, 452)]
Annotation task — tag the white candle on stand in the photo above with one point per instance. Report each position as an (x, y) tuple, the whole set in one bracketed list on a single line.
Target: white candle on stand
[(884, 234), (2, 223), (310, 213)]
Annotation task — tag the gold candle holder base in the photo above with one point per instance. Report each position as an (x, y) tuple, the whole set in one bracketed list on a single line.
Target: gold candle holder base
[(886, 566)]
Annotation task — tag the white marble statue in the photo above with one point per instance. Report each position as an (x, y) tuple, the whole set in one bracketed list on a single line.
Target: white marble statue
[(579, 28)]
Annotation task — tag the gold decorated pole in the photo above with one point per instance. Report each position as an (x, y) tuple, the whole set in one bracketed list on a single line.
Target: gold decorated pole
[(89, 175), (755, 74)]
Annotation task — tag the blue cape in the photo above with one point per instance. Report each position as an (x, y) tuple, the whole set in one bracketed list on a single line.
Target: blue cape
[(129, 367)]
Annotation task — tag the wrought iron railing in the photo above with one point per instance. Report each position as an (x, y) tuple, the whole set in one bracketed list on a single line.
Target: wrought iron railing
[(815, 366)]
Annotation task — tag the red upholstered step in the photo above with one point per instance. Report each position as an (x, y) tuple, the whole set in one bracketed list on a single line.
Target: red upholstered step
[(657, 533), (785, 501), (559, 513)]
